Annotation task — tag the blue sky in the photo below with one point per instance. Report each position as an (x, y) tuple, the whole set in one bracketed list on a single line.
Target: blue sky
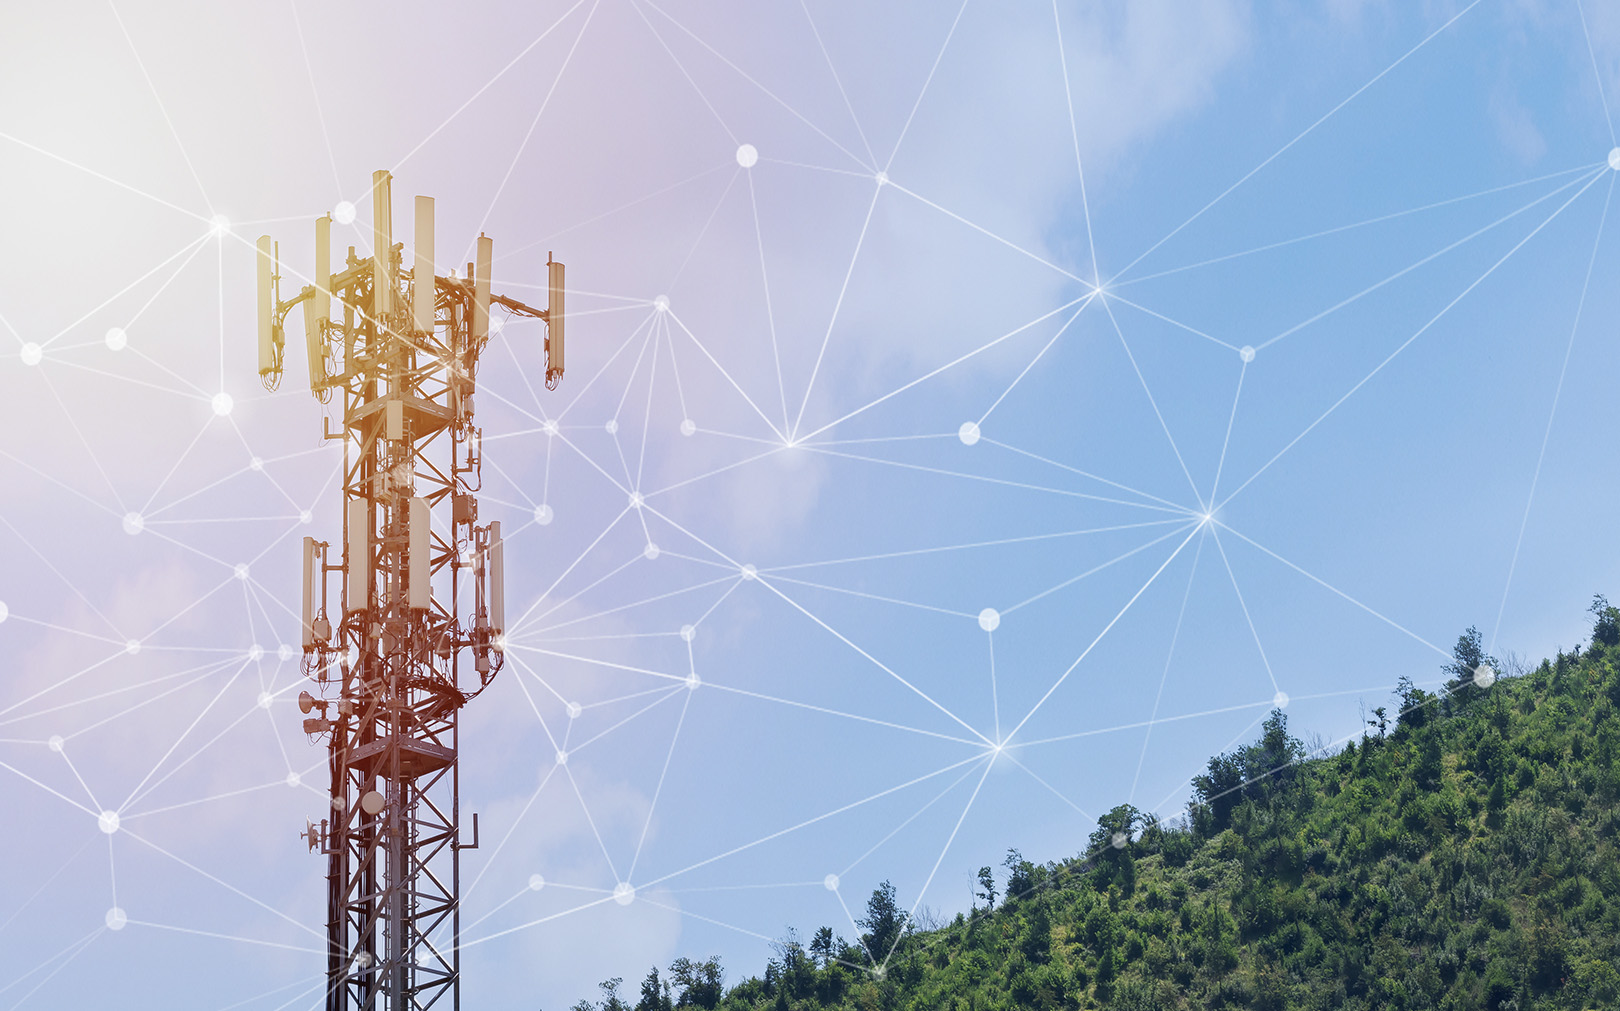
[(1400, 208)]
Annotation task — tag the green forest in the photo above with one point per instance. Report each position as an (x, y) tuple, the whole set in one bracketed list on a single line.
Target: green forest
[(1460, 856)]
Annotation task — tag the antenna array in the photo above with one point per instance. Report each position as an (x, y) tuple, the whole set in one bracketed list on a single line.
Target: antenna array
[(407, 651)]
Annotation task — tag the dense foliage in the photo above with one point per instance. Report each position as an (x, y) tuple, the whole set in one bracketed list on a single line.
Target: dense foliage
[(1461, 856)]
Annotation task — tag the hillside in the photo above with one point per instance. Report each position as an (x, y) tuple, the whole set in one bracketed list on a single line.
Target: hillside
[(1460, 856)]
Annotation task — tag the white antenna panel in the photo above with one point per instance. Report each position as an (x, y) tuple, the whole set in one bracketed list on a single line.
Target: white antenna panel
[(480, 320), (422, 274), (322, 305), (267, 308), (358, 559), (497, 580), (554, 320), (382, 244), (315, 348), (417, 576), (307, 613)]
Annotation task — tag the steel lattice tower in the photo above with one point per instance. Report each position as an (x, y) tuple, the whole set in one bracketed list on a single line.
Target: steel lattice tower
[(419, 630)]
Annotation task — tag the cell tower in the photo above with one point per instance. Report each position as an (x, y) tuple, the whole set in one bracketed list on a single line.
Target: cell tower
[(421, 596)]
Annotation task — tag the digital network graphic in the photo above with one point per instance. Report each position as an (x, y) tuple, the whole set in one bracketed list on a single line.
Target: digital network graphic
[(975, 419)]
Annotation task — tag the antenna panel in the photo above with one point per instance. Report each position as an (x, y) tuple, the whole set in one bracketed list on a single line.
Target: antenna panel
[(554, 320), (322, 302), (315, 348), (307, 613), (358, 556), (269, 361), (417, 576), (422, 290), (497, 580), (480, 320), (382, 244)]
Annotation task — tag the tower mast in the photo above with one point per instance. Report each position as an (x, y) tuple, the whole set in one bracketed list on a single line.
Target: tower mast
[(421, 610)]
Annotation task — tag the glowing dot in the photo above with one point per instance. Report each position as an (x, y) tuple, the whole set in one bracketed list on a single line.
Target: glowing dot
[(265, 700), (574, 709), (536, 882), (116, 919), (117, 339), (1614, 159), (284, 652), (688, 427), (661, 303), (693, 682), (562, 758), (55, 743), (650, 551), (496, 325), (132, 647), (241, 571), (1119, 840), (372, 802), (1484, 676), (968, 433), (362, 959), (222, 404), (499, 642), (623, 893), (221, 225), (747, 156), (5, 612), (108, 822), (305, 516), (255, 652), (1280, 700), (133, 523), (878, 972), (830, 882), (749, 572), (31, 353), (550, 428), (1246, 353), (882, 178), (542, 514), (989, 618), (636, 500), (294, 779), (612, 426), (343, 213), (337, 803), (688, 633)]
